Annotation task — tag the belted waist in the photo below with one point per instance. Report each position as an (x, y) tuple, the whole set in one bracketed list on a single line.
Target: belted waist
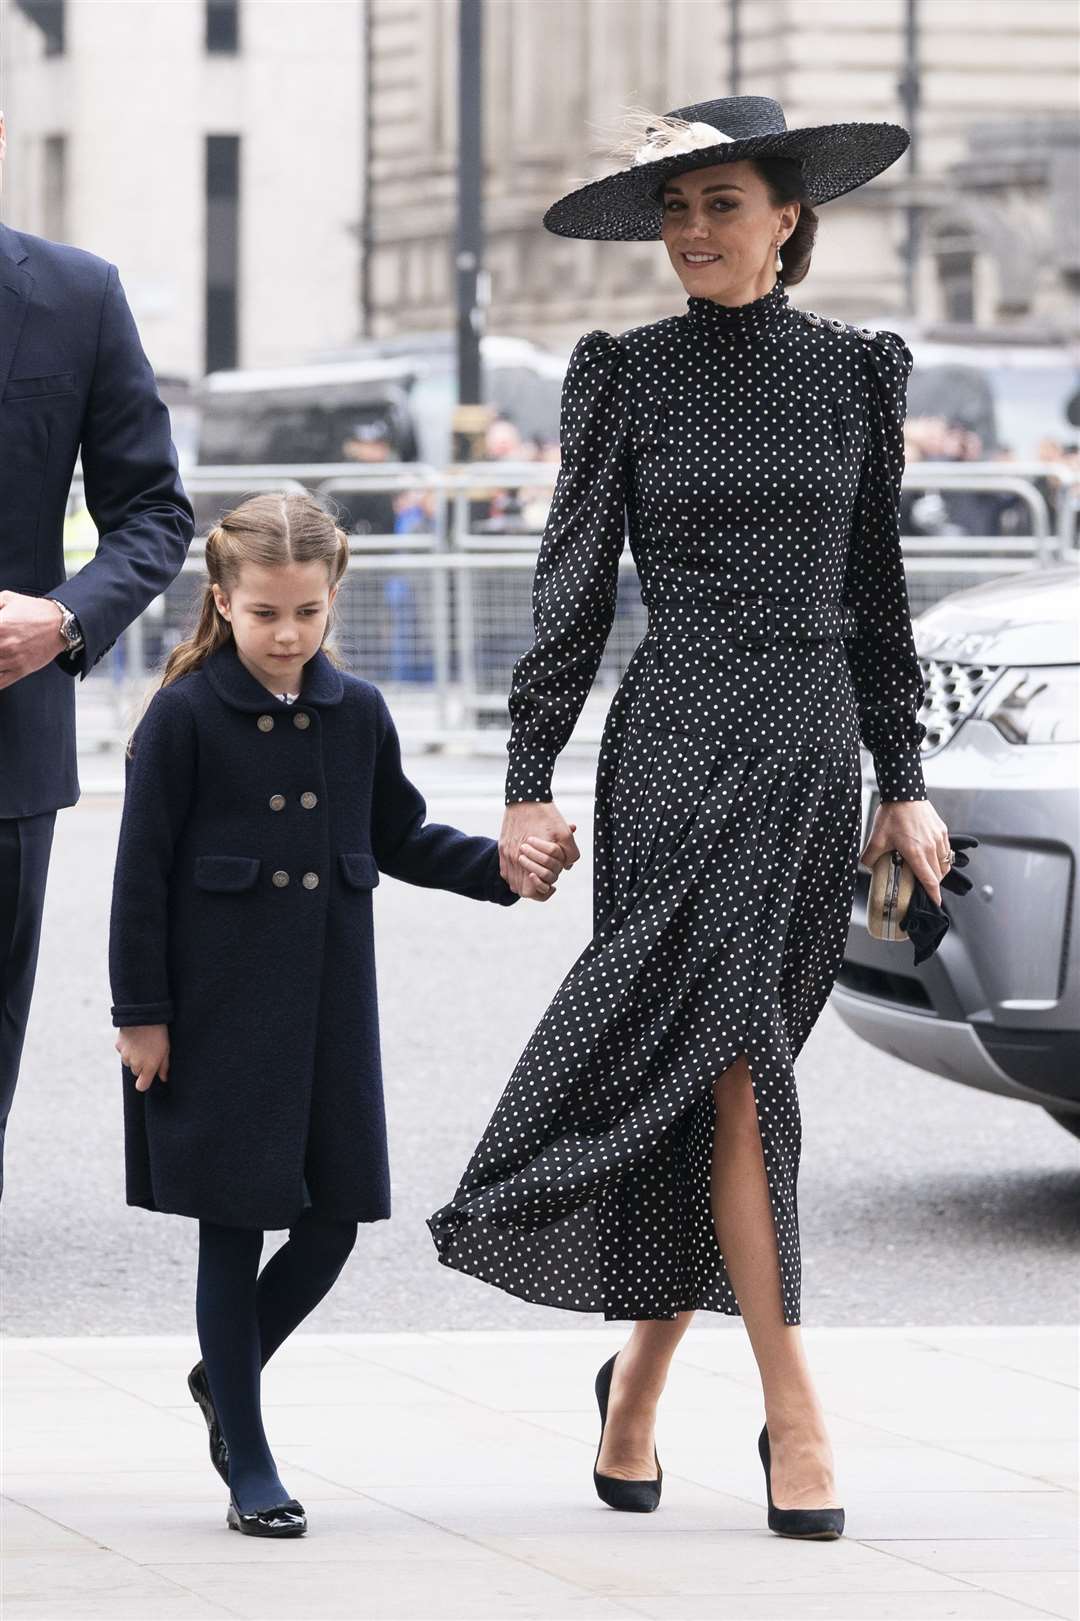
[(748, 620)]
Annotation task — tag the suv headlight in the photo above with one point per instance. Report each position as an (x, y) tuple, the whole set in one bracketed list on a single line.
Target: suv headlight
[(1037, 705)]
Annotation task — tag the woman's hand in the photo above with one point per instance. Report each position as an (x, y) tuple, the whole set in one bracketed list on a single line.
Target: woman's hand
[(144, 1048), (913, 827), (535, 844)]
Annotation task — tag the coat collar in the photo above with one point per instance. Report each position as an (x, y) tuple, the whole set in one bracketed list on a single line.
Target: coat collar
[(11, 246), (234, 683)]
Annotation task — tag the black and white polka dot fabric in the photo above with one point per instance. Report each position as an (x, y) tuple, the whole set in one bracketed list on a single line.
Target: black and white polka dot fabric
[(756, 453)]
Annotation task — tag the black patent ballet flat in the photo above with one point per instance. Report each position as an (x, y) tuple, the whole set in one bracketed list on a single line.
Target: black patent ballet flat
[(199, 1386), (283, 1520), (633, 1496), (824, 1524)]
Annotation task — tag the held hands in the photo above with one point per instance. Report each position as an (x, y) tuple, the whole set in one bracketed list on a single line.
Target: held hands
[(535, 844), (913, 827), (144, 1048), (29, 635)]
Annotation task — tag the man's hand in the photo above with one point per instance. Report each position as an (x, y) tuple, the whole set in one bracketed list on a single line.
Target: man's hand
[(145, 1050), (535, 844), (913, 827), (29, 635)]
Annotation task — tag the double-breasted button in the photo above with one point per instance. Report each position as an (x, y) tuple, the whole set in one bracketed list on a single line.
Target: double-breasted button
[(309, 800), (277, 801), (310, 880), (302, 721), (280, 879), (265, 723)]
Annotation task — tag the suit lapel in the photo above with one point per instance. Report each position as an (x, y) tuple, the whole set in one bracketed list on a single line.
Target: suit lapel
[(15, 285)]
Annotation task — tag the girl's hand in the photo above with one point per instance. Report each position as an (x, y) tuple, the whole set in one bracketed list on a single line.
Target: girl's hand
[(913, 827), (541, 861), (144, 1048), (533, 820)]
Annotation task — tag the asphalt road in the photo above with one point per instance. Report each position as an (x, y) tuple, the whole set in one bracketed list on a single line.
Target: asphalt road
[(920, 1202)]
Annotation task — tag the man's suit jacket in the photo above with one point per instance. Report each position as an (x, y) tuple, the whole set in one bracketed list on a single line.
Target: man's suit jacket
[(73, 372)]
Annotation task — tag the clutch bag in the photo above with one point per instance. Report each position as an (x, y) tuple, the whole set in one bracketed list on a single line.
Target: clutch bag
[(892, 884)]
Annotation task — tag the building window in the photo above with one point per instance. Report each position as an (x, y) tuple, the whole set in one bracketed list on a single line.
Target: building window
[(49, 17), (956, 272), (222, 250), (54, 188), (223, 26)]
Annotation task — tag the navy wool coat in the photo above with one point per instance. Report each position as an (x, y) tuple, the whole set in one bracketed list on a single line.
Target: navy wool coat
[(253, 835)]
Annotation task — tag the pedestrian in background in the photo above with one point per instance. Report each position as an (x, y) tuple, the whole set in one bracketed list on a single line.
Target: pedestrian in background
[(265, 795)]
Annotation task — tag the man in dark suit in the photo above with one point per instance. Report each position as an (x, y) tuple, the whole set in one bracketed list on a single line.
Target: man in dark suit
[(72, 375)]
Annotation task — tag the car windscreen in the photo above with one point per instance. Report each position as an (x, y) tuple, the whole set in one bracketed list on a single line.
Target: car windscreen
[(1015, 410), (528, 399), (279, 425)]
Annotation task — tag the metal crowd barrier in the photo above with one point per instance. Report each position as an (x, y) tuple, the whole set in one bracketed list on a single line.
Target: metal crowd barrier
[(437, 617)]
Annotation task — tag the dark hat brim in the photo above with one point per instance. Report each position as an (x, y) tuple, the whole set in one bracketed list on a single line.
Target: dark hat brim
[(623, 207)]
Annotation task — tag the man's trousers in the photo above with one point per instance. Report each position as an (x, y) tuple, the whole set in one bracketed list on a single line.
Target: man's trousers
[(25, 846)]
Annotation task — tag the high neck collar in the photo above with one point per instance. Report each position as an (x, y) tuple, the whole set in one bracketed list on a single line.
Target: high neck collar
[(760, 318)]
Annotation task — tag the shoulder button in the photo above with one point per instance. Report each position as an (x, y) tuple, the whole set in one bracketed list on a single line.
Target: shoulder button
[(809, 315)]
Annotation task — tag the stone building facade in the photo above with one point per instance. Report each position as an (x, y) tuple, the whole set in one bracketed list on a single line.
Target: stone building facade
[(995, 182), (212, 150), (238, 158)]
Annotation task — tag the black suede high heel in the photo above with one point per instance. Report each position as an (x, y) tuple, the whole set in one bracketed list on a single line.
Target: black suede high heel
[(199, 1386), (283, 1520), (633, 1496), (824, 1524)]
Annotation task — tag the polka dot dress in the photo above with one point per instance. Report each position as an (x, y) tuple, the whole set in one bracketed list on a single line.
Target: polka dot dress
[(755, 454)]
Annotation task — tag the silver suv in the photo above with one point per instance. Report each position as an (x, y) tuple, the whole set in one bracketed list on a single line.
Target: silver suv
[(998, 1005)]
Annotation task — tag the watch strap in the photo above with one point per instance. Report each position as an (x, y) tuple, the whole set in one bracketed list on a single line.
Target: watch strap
[(70, 628)]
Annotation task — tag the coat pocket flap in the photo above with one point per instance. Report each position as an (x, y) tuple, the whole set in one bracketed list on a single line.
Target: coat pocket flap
[(360, 869), (226, 872), (30, 388)]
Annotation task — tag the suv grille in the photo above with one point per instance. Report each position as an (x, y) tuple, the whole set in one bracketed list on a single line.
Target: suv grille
[(952, 692)]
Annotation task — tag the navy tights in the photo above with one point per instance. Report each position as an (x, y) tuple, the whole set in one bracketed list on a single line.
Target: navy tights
[(244, 1315)]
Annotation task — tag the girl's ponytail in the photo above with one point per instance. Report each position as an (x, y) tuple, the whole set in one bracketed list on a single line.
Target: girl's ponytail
[(211, 630), (337, 573)]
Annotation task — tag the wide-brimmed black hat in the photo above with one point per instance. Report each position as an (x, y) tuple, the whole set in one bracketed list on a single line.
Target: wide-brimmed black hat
[(625, 206)]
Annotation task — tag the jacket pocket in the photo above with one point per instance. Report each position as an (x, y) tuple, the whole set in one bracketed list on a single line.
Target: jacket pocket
[(32, 388), (360, 869), (226, 873)]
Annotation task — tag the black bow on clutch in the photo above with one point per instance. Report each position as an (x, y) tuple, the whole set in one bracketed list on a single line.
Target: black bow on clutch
[(927, 923)]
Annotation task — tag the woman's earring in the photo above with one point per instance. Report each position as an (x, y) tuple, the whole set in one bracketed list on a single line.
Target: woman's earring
[(779, 261)]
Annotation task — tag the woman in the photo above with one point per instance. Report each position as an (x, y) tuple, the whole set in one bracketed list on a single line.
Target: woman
[(643, 1159)]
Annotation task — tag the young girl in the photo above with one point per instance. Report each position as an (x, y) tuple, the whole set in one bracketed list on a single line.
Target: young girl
[(265, 795)]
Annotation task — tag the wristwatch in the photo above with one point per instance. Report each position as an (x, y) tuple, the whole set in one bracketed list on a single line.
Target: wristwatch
[(69, 627)]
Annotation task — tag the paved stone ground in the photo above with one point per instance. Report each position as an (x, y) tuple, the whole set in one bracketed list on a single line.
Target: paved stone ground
[(449, 1476)]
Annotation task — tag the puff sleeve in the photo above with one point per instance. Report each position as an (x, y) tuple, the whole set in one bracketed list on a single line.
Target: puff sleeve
[(889, 685), (577, 569)]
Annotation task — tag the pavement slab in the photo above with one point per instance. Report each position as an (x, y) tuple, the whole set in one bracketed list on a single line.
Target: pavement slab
[(448, 1475)]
